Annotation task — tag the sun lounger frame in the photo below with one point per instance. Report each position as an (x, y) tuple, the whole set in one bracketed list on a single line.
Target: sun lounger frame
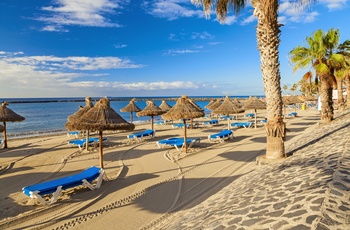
[(81, 143), (221, 137), (178, 143), (137, 137), (55, 187), (242, 124)]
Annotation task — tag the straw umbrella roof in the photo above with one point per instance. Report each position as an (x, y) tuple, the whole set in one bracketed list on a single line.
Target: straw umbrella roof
[(183, 109), (286, 101), (254, 103), (165, 106), (214, 105), (99, 118), (295, 99), (131, 107), (82, 110), (237, 102), (7, 115), (151, 110), (210, 103), (228, 107)]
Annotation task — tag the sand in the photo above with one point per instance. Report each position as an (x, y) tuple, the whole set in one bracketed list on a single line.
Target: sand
[(150, 188)]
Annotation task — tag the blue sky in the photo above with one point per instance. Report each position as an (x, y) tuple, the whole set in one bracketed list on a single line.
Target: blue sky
[(79, 48)]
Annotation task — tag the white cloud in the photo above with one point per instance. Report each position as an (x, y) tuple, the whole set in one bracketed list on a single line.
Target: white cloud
[(54, 28), (120, 46), (249, 19), (53, 76), (180, 51), (70, 63), (172, 9), (139, 85), (294, 12), (203, 35), (334, 4), (80, 12), (229, 20)]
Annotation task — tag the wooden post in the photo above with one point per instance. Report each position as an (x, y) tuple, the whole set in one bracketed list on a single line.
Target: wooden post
[(101, 149)]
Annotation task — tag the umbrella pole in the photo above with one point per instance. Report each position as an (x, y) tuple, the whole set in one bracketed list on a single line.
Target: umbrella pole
[(228, 122), (101, 149), (5, 136), (185, 134), (87, 140), (130, 117), (255, 116), (152, 122)]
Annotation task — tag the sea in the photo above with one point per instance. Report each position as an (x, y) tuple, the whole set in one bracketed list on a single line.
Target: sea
[(47, 116)]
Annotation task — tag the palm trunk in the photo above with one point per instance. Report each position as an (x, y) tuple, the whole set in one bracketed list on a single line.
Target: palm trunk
[(267, 34), (326, 100), (340, 100), (347, 80)]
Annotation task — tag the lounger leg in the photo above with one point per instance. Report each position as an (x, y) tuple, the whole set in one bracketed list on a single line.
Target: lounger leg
[(55, 195), (98, 184), (37, 196), (53, 199)]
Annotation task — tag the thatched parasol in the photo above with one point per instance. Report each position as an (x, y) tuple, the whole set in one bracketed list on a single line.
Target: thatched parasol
[(295, 100), (214, 105), (165, 106), (99, 118), (151, 110), (131, 107), (7, 115), (183, 109), (82, 110), (254, 103), (210, 103), (227, 108)]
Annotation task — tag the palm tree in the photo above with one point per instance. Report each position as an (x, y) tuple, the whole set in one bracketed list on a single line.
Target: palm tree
[(267, 34), (342, 73), (322, 56), (285, 87), (294, 88)]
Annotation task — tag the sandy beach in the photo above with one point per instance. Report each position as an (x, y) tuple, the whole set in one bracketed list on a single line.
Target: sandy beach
[(213, 186)]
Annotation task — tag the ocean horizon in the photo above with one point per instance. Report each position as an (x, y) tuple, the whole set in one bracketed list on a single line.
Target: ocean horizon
[(45, 116)]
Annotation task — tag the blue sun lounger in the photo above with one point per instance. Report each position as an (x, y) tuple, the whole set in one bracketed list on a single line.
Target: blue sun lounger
[(140, 136), (211, 122), (177, 142), (81, 143), (242, 124), (73, 133), (223, 135), (249, 115), (180, 125), (56, 186)]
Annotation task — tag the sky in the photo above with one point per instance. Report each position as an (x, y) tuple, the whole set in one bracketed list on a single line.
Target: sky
[(125, 48)]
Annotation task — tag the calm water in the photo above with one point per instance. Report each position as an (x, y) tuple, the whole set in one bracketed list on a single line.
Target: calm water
[(43, 116)]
